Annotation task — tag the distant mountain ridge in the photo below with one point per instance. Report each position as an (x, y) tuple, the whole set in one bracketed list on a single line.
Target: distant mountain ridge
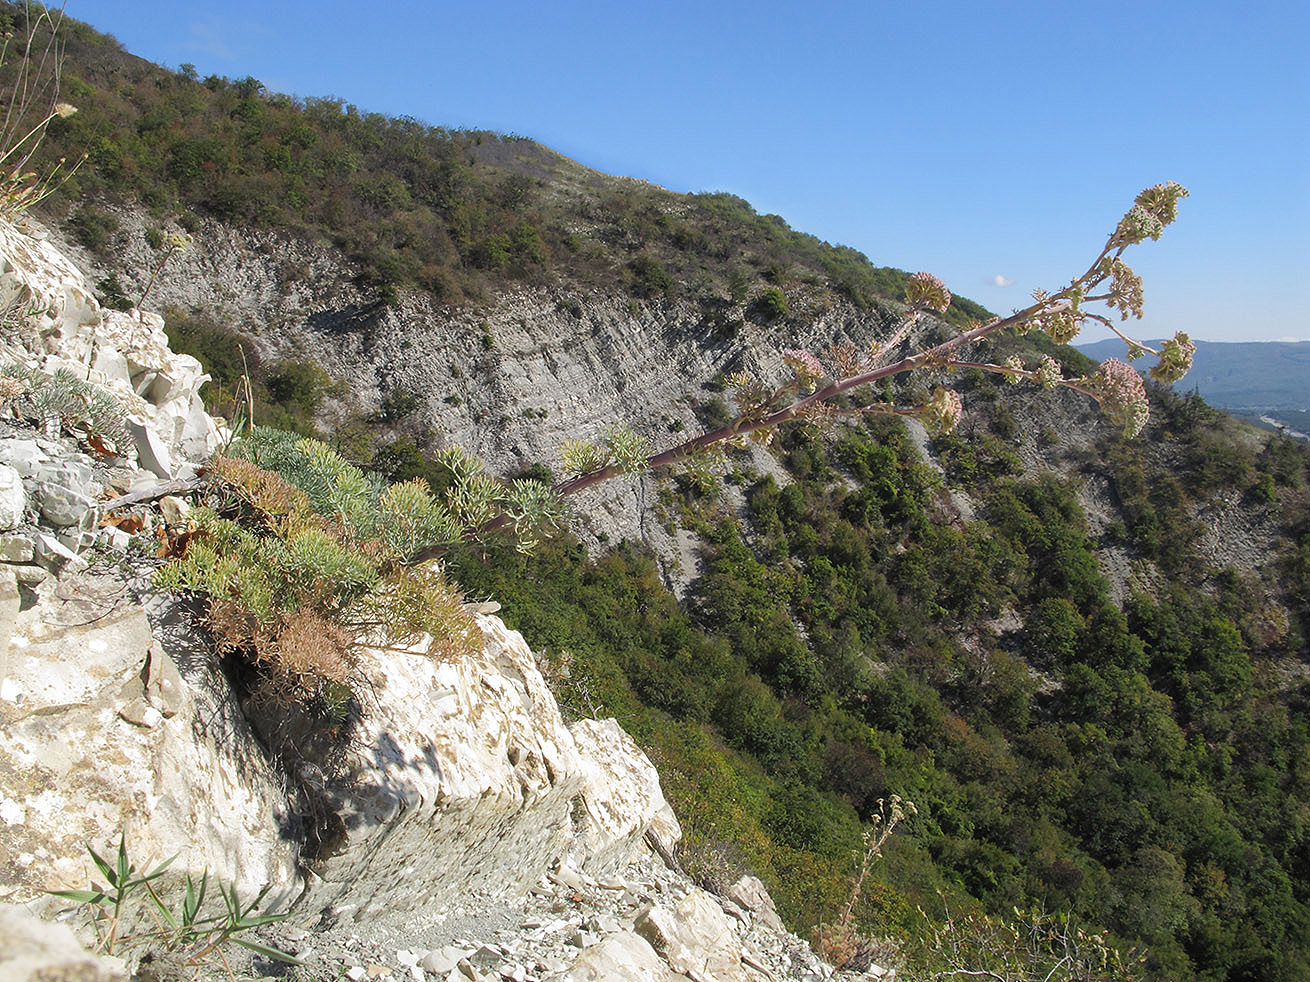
[(1238, 374)]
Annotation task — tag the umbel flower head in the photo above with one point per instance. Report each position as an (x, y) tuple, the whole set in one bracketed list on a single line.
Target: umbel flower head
[(1122, 395), (926, 290), (1175, 359), (943, 414), (808, 368), (1152, 210), (1013, 365), (1049, 373)]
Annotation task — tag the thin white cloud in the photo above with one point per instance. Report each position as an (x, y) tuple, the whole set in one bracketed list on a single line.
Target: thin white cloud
[(225, 40), (999, 280), (208, 39)]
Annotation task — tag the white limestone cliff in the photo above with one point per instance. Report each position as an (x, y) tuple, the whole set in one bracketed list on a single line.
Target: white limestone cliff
[(53, 321)]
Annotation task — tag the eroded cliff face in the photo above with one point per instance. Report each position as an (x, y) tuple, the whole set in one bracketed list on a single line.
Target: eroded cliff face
[(509, 379), (515, 376), (459, 794)]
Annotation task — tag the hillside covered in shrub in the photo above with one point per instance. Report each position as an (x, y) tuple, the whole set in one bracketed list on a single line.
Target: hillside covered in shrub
[(415, 206), (1131, 749)]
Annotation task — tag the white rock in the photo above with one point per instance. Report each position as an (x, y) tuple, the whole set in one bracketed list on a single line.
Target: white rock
[(750, 893), (10, 602), (151, 451), (696, 938), (25, 456), (57, 557), (16, 549), (13, 499), (185, 777), (406, 958), (126, 353), (111, 365), (621, 799), (33, 950), (173, 509), (442, 960), (621, 956), (115, 538), (474, 797)]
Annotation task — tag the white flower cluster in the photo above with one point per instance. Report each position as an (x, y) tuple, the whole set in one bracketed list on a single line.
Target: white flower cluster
[(944, 412), (1049, 372)]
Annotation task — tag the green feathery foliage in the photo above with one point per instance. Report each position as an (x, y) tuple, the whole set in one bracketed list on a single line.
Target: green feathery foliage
[(60, 400), (301, 554)]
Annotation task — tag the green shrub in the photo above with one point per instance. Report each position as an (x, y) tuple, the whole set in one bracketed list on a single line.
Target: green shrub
[(93, 228), (110, 294), (770, 305), (646, 277), (302, 552), (298, 385)]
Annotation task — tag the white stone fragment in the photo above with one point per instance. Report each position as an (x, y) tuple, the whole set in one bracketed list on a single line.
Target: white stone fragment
[(696, 938), (57, 557), (151, 451), (13, 499), (33, 950)]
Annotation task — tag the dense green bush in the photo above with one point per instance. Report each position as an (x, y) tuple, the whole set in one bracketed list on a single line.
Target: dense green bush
[(770, 305)]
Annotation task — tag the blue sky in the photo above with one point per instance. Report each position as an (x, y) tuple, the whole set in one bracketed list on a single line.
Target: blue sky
[(984, 142)]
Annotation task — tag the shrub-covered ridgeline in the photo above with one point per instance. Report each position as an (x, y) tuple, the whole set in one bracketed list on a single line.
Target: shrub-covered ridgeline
[(458, 213), (1087, 775)]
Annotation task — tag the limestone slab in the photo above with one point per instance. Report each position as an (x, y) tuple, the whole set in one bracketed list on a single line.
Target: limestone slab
[(620, 800)]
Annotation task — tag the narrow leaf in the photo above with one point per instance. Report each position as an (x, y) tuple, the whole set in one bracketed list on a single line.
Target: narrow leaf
[(255, 920), (79, 896), (268, 952), (105, 869), (125, 869)]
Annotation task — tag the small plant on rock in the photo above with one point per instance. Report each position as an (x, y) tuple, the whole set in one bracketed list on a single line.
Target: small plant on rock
[(185, 932), (300, 555), (840, 944), (59, 400)]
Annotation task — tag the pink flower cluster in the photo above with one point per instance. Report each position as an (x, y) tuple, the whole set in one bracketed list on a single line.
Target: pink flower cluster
[(808, 368), (926, 290), (1122, 395)]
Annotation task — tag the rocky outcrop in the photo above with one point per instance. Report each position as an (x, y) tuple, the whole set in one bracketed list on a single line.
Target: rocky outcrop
[(56, 323), (114, 727), (621, 799), (468, 780), (464, 776)]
